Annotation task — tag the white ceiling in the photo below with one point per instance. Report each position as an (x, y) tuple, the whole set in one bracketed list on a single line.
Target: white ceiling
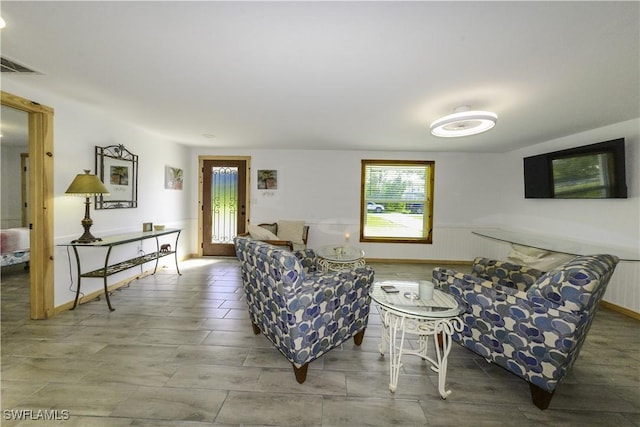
[(336, 75)]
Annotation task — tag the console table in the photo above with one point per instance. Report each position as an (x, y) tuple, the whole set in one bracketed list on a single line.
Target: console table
[(114, 241), (556, 244)]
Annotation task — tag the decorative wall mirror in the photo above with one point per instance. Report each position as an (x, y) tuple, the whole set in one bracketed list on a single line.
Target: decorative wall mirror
[(117, 167)]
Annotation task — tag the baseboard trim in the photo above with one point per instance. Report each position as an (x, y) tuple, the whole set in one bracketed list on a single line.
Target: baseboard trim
[(621, 310), (100, 293), (420, 261)]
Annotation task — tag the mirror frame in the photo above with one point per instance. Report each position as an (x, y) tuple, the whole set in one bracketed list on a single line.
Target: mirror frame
[(120, 167)]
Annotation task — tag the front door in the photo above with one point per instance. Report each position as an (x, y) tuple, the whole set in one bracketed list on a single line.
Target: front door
[(224, 204)]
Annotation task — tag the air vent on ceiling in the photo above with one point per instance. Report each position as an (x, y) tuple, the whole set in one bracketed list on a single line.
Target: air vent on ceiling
[(9, 66)]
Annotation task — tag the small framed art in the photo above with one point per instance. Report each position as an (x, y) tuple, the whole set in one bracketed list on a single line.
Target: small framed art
[(267, 179)]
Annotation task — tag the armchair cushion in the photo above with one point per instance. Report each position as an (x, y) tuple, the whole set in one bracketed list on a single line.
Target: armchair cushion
[(505, 273)]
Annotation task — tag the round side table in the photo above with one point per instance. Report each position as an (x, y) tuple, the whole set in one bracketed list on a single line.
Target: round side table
[(340, 257), (405, 313)]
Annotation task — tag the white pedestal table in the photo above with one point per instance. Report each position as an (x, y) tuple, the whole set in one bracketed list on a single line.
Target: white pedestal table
[(405, 314)]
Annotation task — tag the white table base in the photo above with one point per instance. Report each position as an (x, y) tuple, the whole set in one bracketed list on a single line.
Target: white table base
[(397, 326), (332, 265)]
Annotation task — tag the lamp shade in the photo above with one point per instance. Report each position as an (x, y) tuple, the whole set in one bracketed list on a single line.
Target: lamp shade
[(85, 184)]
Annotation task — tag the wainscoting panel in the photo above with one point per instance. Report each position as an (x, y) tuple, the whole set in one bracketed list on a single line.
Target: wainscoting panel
[(624, 289)]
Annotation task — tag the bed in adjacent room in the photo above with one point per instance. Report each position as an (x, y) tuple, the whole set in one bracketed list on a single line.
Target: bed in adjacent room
[(14, 246)]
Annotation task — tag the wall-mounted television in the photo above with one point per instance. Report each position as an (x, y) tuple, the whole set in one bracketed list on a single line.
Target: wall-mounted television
[(595, 171)]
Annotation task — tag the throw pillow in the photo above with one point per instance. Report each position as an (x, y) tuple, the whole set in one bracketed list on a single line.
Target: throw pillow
[(291, 230), (259, 233)]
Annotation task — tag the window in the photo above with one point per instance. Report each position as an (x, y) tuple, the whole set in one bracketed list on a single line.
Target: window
[(396, 201)]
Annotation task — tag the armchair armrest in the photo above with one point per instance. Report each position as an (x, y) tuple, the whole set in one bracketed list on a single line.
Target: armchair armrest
[(505, 273), (307, 258)]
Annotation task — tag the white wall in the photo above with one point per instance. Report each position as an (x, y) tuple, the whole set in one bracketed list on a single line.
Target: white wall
[(323, 188), (472, 191), (77, 130), (614, 221), (606, 223)]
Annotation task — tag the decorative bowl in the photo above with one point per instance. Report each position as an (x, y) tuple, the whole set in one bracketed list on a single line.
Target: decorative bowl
[(158, 227)]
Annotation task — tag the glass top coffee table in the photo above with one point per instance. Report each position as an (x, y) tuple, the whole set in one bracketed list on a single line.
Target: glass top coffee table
[(403, 313), (340, 257)]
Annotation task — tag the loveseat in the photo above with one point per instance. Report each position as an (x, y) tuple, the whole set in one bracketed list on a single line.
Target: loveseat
[(529, 322), (292, 234), (303, 312)]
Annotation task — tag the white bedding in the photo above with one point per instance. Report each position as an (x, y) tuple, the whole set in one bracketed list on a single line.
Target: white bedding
[(14, 246)]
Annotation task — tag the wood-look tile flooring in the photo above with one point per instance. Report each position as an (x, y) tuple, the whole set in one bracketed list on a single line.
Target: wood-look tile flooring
[(179, 351)]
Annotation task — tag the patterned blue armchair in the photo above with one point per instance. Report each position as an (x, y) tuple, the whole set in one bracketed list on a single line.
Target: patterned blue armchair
[(303, 312), (531, 323)]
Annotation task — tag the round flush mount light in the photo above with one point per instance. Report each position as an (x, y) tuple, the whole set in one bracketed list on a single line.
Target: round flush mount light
[(463, 122)]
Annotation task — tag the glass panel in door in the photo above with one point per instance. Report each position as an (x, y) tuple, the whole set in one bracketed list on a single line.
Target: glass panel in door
[(224, 205)]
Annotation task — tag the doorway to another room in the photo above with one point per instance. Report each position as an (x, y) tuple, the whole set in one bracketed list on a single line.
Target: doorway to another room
[(38, 196)]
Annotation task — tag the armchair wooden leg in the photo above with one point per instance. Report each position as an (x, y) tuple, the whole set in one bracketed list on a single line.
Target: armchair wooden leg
[(256, 329), (541, 398), (301, 373), (357, 338)]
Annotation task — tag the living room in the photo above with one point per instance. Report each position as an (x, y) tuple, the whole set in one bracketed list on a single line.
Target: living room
[(474, 188), (179, 349)]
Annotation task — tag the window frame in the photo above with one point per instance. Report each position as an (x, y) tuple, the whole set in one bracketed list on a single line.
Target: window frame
[(428, 200)]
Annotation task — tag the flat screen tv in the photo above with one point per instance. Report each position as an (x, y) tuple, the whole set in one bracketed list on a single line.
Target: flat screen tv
[(595, 171)]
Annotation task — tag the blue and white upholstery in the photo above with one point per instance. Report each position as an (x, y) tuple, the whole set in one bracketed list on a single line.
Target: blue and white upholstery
[(529, 322), (303, 312)]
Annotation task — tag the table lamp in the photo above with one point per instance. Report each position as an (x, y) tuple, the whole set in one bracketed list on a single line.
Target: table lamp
[(87, 185)]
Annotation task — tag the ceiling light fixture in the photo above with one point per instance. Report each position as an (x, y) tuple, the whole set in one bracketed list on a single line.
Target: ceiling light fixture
[(463, 122), (2, 23)]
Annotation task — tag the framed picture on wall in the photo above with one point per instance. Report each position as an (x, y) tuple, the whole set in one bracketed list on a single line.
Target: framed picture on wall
[(267, 179), (117, 168), (173, 178)]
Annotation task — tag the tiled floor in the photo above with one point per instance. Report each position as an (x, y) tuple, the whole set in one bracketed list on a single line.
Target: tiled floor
[(179, 351)]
